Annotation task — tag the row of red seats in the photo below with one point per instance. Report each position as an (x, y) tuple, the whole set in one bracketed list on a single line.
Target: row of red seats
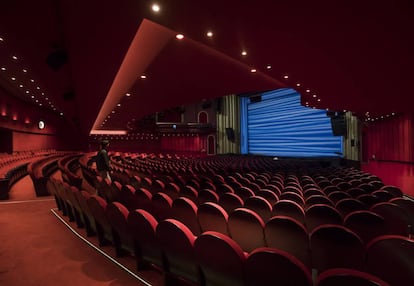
[(329, 246)]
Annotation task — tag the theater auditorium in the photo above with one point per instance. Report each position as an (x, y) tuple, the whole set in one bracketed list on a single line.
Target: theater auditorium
[(248, 143)]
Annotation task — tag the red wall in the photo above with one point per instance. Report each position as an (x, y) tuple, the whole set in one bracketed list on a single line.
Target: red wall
[(389, 151)]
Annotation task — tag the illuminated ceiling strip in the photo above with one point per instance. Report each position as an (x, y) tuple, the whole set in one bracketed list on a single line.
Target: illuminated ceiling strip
[(109, 132)]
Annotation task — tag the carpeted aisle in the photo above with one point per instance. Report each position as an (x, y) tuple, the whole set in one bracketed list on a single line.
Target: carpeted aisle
[(38, 249)]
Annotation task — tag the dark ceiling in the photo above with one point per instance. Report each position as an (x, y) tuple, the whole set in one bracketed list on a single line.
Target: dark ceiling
[(352, 55)]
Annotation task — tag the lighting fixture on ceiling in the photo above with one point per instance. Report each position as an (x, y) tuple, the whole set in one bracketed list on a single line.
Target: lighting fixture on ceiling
[(179, 36), (156, 8), (209, 34)]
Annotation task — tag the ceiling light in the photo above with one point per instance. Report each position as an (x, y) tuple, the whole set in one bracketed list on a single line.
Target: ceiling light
[(308, 90), (21, 85), (179, 36), (61, 113), (314, 96), (156, 8), (118, 104), (24, 70), (298, 84), (209, 34), (128, 94), (3, 68), (1, 39), (285, 76), (269, 67), (244, 53), (13, 78), (113, 111), (143, 76), (14, 57), (253, 70), (319, 99), (37, 87), (27, 91), (32, 80)]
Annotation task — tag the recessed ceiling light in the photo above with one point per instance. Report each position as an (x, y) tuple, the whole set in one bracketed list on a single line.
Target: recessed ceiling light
[(113, 111), (3, 68), (13, 78), (253, 70), (14, 57), (308, 90), (32, 96), (20, 85), (209, 34), (27, 91), (156, 8), (128, 94), (319, 99), (314, 95), (179, 36), (143, 76), (37, 87), (244, 53), (118, 104), (1, 39), (285, 76), (298, 84), (61, 113), (269, 67), (24, 70), (32, 80)]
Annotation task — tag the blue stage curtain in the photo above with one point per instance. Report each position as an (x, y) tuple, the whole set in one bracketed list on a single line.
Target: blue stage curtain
[(278, 125)]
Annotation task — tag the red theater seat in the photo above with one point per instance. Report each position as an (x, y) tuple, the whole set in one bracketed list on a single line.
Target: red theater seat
[(212, 217), (97, 206), (271, 266), (230, 201), (335, 246), (142, 226), (185, 210), (395, 218), (348, 205), (117, 215), (260, 205), (246, 227), (220, 258), (161, 206), (177, 244), (288, 234), (348, 277), (319, 214), (366, 224), (290, 209), (391, 257)]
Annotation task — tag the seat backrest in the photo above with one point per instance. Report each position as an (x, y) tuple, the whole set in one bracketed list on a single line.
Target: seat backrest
[(366, 224), (207, 195), (347, 205), (391, 257), (335, 246), (260, 205), (292, 196), (177, 244), (290, 209), (408, 206), (142, 226), (220, 258), (338, 195), (212, 217), (270, 196), (320, 214), (161, 206), (117, 215), (185, 210), (230, 201), (347, 277), (395, 218), (318, 199), (246, 227), (244, 192), (271, 266), (288, 234), (395, 191)]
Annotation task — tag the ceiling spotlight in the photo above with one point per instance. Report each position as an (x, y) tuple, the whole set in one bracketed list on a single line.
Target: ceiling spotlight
[(298, 84), (308, 90), (314, 96), (3, 68), (118, 105), (25, 70), (143, 77), (209, 34), (156, 8), (128, 94), (269, 67), (244, 53), (20, 85), (32, 80), (179, 36), (13, 78), (253, 70), (319, 99), (285, 76), (14, 57), (1, 39)]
